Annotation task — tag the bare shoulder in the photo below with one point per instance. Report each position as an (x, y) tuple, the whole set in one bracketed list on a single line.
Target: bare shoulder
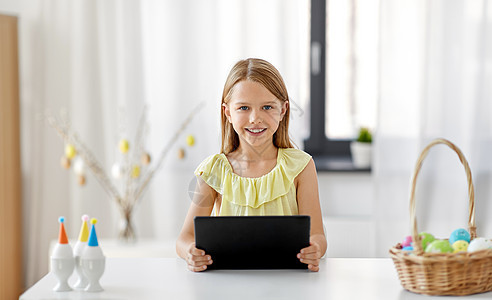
[(307, 174)]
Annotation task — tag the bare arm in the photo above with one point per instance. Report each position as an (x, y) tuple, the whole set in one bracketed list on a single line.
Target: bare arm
[(308, 202), (201, 205)]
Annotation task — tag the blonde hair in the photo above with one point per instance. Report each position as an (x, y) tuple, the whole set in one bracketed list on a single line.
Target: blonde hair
[(263, 72)]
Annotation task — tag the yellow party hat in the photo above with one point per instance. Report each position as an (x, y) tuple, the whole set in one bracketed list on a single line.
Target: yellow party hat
[(84, 230)]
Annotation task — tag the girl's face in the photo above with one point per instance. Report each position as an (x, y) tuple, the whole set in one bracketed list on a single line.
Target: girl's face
[(254, 112)]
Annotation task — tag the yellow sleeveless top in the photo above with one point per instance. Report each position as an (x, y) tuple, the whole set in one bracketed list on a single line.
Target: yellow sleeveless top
[(271, 194)]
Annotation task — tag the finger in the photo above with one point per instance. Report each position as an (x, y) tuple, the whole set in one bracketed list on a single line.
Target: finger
[(196, 251), (197, 269), (313, 268), (310, 249), (199, 263), (315, 255), (314, 262), (199, 258)]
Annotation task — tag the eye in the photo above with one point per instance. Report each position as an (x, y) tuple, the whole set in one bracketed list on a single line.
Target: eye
[(243, 108), (267, 107)]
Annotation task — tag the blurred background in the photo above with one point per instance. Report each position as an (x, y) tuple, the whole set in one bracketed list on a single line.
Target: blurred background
[(410, 71)]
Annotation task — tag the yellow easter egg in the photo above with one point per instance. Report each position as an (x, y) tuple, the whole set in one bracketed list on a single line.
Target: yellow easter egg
[(70, 151), (124, 146), (190, 140), (135, 171), (460, 246)]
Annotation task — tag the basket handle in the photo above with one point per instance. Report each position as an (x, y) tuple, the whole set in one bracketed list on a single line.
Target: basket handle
[(471, 193)]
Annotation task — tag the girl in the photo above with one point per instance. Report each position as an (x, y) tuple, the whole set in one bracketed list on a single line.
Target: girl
[(258, 171)]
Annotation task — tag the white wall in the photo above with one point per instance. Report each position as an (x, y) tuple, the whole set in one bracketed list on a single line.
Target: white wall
[(347, 204), (10, 7)]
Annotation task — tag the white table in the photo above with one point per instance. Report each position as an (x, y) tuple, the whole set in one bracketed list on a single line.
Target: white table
[(168, 278)]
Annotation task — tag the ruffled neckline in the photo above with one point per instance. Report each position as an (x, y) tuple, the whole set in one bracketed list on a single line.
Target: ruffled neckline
[(216, 171), (231, 169)]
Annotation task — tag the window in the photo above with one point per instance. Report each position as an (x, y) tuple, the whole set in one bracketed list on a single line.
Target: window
[(344, 78)]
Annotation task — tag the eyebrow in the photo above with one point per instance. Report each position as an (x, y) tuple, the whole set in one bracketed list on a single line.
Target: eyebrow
[(248, 103)]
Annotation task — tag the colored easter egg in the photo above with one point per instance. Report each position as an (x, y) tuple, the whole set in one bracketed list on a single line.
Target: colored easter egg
[(181, 153), (117, 171), (145, 159), (459, 235), (65, 162), (79, 166), (135, 171), (190, 140), (70, 151), (478, 244), (124, 146), (439, 246), (426, 238), (460, 246), (407, 241), (81, 179), (408, 248)]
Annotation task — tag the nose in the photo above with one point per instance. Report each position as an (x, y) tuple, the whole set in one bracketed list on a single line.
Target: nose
[(255, 116)]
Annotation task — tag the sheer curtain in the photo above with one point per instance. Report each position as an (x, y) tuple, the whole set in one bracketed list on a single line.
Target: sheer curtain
[(436, 70), (103, 62)]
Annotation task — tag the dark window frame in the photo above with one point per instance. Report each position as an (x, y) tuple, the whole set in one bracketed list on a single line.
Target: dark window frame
[(329, 154)]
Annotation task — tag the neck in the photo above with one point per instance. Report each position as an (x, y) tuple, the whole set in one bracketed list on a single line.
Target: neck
[(257, 153)]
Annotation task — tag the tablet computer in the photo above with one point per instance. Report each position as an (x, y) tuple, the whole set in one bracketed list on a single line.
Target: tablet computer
[(253, 242)]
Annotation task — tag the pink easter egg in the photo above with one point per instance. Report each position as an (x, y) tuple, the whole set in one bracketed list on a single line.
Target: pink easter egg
[(407, 241)]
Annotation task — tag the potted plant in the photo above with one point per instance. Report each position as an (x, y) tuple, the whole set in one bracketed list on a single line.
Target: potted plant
[(361, 149)]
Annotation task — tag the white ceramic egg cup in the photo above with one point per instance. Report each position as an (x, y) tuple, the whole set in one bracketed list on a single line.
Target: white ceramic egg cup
[(93, 269), (82, 280), (62, 268)]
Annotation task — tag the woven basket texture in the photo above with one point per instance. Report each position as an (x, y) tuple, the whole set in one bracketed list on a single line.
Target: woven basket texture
[(457, 274)]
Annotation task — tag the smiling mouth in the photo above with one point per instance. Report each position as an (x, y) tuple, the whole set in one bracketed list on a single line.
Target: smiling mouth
[(255, 131)]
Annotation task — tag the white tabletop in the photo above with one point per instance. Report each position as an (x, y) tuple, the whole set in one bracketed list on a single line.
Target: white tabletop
[(168, 278)]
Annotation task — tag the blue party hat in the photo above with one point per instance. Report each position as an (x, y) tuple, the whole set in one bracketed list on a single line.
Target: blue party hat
[(93, 237)]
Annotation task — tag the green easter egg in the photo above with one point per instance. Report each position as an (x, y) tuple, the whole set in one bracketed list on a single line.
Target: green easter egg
[(439, 246), (427, 238)]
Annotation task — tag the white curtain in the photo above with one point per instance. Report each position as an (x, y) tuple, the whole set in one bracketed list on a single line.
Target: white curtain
[(435, 81), (103, 62)]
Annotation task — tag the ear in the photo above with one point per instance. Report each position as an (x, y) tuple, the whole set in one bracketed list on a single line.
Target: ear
[(227, 111), (283, 111)]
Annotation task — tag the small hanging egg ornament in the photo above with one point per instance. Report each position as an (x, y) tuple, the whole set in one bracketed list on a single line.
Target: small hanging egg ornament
[(117, 171), (181, 153), (70, 151), (81, 179), (79, 166), (65, 162), (135, 171), (145, 159), (124, 146), (190, 140)]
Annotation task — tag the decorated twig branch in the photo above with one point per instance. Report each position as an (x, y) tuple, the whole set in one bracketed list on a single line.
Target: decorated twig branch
[(137, 181)]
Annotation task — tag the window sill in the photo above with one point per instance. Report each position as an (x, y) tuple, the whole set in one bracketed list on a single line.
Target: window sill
[(326, 163)]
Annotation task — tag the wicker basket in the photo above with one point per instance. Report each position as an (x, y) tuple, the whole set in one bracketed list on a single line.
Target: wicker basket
[(456, 274)]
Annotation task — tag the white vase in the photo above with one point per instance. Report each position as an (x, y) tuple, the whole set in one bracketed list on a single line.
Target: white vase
[(361, 155)]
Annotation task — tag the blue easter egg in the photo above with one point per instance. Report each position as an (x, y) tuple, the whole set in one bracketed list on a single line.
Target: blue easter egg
[(408, 248), (459, 235)]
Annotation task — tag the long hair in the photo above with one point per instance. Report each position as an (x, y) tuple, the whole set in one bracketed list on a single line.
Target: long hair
[(264, 73)]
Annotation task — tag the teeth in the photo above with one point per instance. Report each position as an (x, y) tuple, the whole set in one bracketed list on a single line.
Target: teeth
[(256, 130)]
